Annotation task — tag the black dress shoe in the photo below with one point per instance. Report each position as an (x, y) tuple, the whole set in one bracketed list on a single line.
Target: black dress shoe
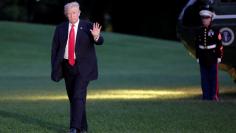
[(73, 130)]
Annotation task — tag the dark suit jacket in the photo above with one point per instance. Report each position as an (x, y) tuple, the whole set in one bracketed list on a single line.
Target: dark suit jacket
[(84, 50)]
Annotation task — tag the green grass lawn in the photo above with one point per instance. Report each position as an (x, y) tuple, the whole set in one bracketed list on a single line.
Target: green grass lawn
[(146, 86)]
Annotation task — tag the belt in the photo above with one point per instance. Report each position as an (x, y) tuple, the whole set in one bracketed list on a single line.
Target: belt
[(207, 47)]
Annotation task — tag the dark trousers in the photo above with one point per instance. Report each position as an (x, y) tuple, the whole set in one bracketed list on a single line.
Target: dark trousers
[(209, 81), (77, 92)]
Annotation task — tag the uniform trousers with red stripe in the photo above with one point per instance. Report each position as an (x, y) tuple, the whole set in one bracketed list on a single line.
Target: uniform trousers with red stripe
[(209, 81)]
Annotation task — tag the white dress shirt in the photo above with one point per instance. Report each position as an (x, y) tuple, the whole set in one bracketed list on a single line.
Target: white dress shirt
[(76, 29)]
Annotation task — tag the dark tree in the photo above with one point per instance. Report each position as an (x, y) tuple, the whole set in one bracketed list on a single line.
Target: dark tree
[(146, 18)]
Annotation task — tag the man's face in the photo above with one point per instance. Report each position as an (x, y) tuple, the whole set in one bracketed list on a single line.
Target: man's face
[(73, 14), (206, 21)]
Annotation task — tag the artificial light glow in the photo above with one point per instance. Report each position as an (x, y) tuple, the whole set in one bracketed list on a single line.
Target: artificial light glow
[(117, 95)]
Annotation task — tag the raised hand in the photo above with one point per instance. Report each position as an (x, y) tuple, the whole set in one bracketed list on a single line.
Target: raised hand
[(96, 31)]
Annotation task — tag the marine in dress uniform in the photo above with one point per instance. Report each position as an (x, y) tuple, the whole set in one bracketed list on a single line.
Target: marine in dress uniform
[(209, 51)]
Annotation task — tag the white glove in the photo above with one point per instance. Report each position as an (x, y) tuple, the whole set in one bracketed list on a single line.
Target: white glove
[(219, 60), (197, 60)]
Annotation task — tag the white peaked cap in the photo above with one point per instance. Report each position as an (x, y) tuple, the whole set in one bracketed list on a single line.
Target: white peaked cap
[(206, 13)]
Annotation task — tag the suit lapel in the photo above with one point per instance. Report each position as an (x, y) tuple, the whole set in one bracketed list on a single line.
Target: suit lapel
[(78, 36), (65, 34)]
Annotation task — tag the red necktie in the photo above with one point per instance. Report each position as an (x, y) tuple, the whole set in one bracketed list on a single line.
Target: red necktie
[(71, 49)]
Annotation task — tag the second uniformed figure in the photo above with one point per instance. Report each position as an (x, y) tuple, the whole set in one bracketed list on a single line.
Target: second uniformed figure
[(209, 51)]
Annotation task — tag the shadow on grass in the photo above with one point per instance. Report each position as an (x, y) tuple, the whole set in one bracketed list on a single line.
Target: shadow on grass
[(28, 120), (228, 95)]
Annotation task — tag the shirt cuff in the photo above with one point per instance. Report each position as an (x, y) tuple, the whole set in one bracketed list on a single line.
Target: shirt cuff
[(96, 38)]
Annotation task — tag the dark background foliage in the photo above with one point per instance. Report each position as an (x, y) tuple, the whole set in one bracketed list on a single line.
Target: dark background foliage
[(147, 18)]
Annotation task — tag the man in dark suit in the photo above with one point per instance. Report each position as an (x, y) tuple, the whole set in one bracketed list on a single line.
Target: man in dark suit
[(74, 59)]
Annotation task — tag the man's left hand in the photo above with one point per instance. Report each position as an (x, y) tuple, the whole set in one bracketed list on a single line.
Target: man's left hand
[(96, 31)]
